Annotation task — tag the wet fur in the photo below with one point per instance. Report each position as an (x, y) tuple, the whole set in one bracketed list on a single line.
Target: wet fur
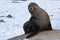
[(32, 26)]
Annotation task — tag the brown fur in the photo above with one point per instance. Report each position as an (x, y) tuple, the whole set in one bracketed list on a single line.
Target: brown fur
[(39, 20)]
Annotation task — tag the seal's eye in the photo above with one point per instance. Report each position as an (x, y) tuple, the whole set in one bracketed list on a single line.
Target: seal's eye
[(31, 8)]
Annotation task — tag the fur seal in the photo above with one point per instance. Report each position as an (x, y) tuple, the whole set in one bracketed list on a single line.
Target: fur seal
[(38, 22)]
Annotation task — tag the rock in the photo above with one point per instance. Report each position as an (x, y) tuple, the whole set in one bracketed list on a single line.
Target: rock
[(45, 35), (17, 1), (9, 16), (2, 16), (21, 37), (1, 20)]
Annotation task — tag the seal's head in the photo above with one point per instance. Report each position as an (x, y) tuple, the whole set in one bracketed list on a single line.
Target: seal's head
[(32, 7)]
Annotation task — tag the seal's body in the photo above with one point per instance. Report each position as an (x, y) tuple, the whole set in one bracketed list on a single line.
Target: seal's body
[(39, 20)]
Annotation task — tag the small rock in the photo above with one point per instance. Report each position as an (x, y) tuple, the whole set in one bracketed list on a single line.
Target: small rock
[(2, 16), (51, 15), (2, 20), (9, 16)]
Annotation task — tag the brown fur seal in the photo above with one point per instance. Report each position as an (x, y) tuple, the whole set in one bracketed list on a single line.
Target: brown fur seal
[(39, 20)]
